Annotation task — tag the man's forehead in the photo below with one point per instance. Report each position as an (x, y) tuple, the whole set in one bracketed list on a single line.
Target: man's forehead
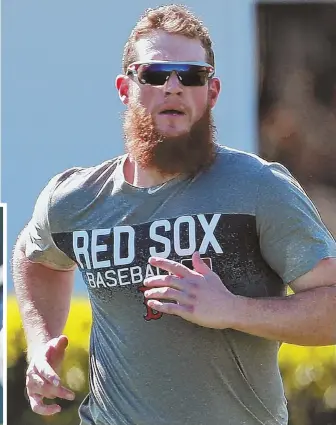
[(161, 45)]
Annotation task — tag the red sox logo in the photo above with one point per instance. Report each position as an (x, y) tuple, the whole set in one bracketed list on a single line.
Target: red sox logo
[(152, 314)]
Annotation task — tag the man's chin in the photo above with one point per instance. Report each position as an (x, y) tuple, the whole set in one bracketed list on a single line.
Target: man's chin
[(173, 133)]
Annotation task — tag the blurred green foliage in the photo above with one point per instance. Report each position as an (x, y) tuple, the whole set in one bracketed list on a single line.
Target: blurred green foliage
[(309, 374)]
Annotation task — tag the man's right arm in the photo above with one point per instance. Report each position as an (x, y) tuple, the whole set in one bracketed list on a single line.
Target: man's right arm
[(43, 295), (43, 278)]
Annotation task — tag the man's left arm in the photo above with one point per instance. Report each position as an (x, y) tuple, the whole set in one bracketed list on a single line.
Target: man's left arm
[(308, 317), (297, 245)]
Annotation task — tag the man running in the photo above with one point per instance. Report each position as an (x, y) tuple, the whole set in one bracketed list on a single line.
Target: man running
[(186, 248)]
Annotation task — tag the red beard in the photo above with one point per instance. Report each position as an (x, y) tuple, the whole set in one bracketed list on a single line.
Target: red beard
[(187, 153)]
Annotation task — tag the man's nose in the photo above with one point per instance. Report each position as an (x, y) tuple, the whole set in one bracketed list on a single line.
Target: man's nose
[(173, 85)]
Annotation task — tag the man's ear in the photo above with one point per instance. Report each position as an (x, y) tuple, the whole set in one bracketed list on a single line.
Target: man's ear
[(122, 85), (214, 90)]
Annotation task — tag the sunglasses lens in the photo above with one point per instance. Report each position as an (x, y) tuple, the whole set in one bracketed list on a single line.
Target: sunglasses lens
[(156, 74), (152, 74), (194, 76)]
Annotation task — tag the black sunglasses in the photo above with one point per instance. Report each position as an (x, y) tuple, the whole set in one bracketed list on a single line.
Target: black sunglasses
[(156, 73)]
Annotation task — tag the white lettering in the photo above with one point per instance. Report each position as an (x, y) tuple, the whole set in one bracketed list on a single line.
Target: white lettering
[(81, 250), (118, 260), (149, 271), (100, 280), (90, 279), (113, 279), (161, 239), (95, 248), (136, 274), (209, 237), (190, 233), (124, 276), (121, 277)]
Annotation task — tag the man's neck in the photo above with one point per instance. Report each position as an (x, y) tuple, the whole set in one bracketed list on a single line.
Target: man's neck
[(141, 177)]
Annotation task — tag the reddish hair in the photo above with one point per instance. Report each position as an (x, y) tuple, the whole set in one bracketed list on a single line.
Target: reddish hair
[(174, 19)]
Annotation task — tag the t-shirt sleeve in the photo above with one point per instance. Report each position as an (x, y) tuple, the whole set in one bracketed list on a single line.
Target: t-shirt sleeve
[(293, 238), (39, 244)]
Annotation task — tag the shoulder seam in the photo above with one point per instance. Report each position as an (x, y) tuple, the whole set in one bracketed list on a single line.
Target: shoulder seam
[(261, 171)]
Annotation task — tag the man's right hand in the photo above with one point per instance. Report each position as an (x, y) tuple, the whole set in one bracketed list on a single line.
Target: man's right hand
[(42, 381)]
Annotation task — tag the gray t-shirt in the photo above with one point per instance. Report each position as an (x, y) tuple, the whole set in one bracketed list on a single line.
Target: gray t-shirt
[(258, 231)]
